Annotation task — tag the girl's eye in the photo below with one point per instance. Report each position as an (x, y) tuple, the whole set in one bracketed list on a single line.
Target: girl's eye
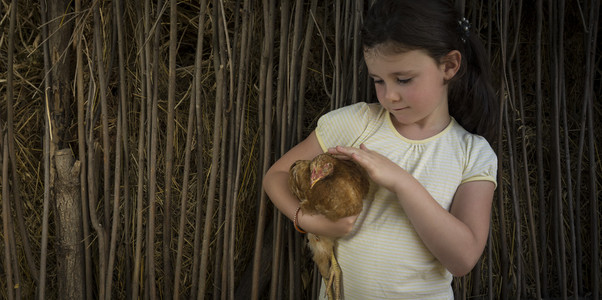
[(404, 81), (378, 81)]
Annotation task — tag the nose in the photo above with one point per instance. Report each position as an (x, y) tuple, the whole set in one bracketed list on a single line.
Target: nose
[(392, 94)]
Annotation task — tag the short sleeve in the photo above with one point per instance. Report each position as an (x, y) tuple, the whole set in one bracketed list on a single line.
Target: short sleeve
[(344, 126), (482, 161)]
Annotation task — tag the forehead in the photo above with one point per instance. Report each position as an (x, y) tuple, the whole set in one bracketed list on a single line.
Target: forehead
[(379, 60)]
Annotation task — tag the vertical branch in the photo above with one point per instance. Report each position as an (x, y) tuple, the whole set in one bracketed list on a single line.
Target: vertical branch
[(282, 82), (337, 101), (200, 141), (504, 256), (184, 200), (241, 97), (8, 147), (46, 146), (532, 234), (103, 255), (499, 145), (556, 172), (511, 156), (11, 141), (282, 123), (124, 99), (568, 166), (5, 223), (152, 194), (102, 82), (169, 151), (228, 153), (293, 77), (265, 115), (304, 63), (593, 190), (514, 197), (142, 57), (219, 98), (81, 135), (357, 15), (115, 224), (220, 262), (539, 150)]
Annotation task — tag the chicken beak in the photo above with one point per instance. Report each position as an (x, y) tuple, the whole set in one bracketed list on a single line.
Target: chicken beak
[(313, 182)]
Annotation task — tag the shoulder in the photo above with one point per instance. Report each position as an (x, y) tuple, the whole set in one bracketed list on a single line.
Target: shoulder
[(357, 110), (479, 159), (351, 118), (344, 125), (470, 142)]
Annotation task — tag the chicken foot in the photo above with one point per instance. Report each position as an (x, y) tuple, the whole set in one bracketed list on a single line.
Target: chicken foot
[(334, 279)]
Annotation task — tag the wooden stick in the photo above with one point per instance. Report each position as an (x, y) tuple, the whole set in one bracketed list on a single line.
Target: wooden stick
[(265, 115), (200, 141)]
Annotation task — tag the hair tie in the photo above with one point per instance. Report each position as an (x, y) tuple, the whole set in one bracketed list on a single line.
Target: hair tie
[(464, 27)]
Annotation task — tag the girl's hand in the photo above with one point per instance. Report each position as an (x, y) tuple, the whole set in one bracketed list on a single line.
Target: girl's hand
[(320, 225), (381, 170)]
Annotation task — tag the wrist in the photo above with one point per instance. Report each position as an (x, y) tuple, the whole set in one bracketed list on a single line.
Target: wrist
[(296, 220), (404, 183)]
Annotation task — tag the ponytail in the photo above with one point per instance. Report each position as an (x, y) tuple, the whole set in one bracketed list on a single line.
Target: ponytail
[(472, 99)]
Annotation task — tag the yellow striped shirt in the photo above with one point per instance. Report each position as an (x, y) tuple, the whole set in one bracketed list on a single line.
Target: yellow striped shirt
[(383, 257)]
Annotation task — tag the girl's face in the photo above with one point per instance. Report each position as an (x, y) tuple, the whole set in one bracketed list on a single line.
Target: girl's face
[(412, 87)]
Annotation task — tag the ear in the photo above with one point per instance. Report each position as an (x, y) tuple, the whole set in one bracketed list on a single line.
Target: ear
[(450, 64)]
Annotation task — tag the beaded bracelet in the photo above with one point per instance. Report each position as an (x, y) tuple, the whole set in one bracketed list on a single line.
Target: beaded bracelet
[(295, 220)]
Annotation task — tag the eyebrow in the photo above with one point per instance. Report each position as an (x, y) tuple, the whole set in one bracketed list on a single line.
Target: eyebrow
[(400, 73)]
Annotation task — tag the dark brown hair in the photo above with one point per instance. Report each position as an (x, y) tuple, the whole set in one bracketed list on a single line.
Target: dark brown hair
[(434, 26)]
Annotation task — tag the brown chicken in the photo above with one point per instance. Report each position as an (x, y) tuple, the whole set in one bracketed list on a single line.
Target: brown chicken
[(334, 188)]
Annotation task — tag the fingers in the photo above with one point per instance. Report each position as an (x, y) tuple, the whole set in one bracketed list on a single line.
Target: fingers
[(347, 150), (338, 154)]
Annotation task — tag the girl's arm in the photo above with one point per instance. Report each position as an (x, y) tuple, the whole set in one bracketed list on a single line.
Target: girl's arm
[(275, 184), (456, 237)]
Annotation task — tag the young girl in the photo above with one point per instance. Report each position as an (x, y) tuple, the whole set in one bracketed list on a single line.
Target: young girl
[(434, 174)]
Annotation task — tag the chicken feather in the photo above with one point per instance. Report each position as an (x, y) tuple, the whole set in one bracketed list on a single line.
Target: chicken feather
[(334, 188)]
